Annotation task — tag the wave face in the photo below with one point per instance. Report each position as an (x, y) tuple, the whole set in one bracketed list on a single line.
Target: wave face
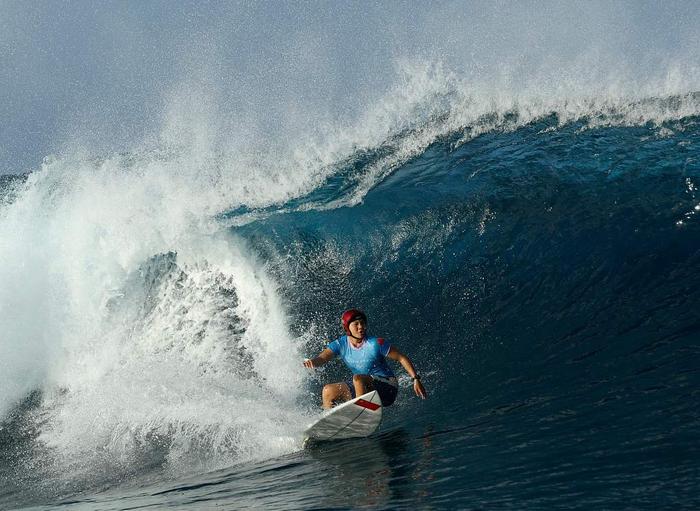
[(544, 276), (537, 259)]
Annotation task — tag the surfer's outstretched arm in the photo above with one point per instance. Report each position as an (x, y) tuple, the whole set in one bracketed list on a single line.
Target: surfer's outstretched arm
[(418, 388), (323, 358)]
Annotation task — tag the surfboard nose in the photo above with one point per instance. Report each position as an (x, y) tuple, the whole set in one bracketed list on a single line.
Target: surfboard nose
[(359, 417)]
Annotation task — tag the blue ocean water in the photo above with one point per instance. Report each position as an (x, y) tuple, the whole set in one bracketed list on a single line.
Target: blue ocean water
[(541, 272)]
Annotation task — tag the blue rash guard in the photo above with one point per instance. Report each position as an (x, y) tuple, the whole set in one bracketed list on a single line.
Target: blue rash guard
[(367, 359)]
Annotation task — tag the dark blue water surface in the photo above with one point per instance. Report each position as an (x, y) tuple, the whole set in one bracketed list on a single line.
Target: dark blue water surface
[(545, 282)]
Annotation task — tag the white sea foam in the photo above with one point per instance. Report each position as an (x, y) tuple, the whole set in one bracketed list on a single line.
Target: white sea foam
[(139, 319)]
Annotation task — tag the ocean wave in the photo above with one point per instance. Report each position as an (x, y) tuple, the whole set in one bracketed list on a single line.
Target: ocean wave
[(163, 298)]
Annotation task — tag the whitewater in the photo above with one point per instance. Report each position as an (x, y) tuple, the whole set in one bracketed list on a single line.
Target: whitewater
[(527, 234)]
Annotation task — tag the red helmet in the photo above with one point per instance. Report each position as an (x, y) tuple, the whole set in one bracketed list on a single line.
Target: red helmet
[(351, 315)]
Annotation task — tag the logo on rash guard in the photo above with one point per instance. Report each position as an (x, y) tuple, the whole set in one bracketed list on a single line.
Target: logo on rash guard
[(380, 341)]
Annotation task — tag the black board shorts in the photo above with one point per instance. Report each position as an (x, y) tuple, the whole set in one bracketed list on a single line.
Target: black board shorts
[(387, 392)]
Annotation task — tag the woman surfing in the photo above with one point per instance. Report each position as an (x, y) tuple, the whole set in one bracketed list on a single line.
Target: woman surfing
[(366, 358)]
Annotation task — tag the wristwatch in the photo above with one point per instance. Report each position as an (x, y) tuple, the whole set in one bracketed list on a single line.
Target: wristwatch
[(416, 378)]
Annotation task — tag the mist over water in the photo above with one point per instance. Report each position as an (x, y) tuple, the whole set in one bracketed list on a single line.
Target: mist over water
[(110, 76), (204, 196)]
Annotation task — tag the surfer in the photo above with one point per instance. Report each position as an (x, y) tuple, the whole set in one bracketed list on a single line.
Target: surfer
[(366, 358)]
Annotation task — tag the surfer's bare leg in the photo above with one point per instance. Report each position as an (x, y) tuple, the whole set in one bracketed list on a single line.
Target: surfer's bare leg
[(335, 392), (363, 384)]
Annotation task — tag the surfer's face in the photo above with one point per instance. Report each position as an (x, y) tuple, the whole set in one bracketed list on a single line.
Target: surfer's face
[(357, 328)]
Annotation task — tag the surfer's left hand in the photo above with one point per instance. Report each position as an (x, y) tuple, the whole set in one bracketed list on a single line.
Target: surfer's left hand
[(419, 389)]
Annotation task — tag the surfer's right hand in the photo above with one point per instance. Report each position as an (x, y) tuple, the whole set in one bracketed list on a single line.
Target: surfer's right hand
[(308, 363)]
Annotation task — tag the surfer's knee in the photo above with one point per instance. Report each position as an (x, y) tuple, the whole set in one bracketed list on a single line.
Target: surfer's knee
[(329, 391), (332, 391), (361, 378), (362, 382)]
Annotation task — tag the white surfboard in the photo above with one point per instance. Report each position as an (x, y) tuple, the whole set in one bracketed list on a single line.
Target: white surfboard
[(357, 418)]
